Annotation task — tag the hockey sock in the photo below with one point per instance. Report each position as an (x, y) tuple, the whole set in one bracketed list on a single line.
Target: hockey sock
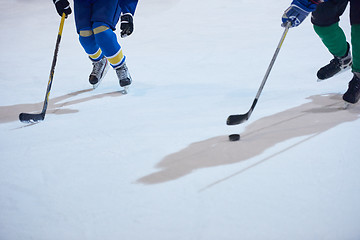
[(87, 41), (107, 40), (355, 42), (334, 39)]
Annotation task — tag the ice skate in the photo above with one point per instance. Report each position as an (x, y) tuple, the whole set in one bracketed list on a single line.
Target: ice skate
[(99, 71), (124, 77), (352, 95), (336, 65)]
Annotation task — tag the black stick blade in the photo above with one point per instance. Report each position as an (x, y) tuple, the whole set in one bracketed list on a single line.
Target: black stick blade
[(240, 118), (31, 117), (237, 119)]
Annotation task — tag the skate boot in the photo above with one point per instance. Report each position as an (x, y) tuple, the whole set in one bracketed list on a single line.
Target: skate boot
[(124, 77), (335, 66), (99, 70), (352, 95)]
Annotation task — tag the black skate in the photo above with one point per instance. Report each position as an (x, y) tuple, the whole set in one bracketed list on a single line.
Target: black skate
[(335, 66), (352, 95), (99, 71), (124, 77)]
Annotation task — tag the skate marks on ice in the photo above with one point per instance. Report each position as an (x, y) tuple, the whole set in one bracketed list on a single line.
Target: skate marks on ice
[(310, 119), (57, 105)]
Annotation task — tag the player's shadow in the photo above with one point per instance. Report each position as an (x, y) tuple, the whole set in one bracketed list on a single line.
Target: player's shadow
[(310, 119), (56, 105)]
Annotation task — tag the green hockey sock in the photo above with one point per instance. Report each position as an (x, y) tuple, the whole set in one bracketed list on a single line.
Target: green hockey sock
[(334, 39), (355, 42)]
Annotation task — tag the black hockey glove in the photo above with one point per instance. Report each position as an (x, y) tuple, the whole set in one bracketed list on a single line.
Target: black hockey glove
[(126, 25), (62, 6)]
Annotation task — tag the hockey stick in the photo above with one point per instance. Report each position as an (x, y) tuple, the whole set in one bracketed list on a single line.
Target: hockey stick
[(36, 117), (240, 118)]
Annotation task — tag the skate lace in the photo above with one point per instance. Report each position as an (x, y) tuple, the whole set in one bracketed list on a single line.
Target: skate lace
[(122, 72), (97, 66), (334, 63)]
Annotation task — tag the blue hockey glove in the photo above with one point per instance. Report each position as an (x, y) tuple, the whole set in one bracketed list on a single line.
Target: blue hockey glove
[(126, 25), (298, 11), (295, 15), (62, 6)]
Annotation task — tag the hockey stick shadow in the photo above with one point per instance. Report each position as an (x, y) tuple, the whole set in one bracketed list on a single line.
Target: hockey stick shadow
[(56, 105), (324, 112)]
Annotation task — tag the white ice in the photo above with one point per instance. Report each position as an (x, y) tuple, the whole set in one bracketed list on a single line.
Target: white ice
[(156, 163)]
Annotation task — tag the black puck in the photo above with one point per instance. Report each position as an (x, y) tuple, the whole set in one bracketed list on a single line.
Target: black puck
[(234, 137)]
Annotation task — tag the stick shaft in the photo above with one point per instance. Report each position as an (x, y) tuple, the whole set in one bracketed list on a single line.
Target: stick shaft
[(240, 118), (52, 70), (273, 60)]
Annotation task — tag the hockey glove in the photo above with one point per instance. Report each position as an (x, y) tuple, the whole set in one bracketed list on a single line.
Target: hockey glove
[(62, 6), (126, 25), (295, 15), (298, 11)]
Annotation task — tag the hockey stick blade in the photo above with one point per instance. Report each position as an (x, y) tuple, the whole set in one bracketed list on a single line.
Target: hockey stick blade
[(240, 118), (237, 119), (31, 117)]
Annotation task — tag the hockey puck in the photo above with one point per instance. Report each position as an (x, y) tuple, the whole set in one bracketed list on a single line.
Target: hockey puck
[(234, 137)]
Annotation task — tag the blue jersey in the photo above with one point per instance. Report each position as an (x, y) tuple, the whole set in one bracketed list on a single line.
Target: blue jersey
[(127, 6), (107, 11)]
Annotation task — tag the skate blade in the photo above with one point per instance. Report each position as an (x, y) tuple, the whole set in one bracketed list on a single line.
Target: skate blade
[(346, 105), (96, 85), (125, 90)]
